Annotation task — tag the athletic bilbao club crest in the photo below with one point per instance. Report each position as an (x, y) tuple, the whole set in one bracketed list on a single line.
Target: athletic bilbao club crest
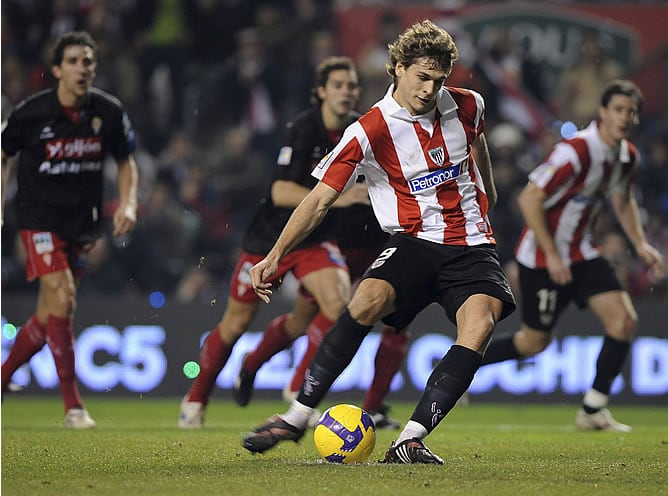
[(96, 124), (437, 155)]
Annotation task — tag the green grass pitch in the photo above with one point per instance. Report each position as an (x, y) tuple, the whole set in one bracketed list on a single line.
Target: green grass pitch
[(489, 450)]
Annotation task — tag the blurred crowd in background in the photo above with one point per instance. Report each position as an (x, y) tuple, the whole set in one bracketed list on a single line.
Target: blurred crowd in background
[(209, 86)]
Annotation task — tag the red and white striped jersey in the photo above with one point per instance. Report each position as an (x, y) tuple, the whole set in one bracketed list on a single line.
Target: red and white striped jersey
[(576, 178), (421, 176)]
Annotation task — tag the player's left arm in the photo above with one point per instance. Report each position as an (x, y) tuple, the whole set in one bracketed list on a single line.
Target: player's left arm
[(627, 212), (480, 153), (125, 216)]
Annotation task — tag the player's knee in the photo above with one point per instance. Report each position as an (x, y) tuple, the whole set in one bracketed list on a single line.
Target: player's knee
[(531, 343), (373, 300), (332, 305), (475, 334), (536, 347), (65, 299), (293, 324), (58, 294), (233, 324), (231, 329), (630, 323), (624, 327), (366, 311)]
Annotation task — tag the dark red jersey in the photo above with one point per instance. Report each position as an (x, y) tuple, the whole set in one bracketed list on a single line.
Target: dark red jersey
[(60, 166)]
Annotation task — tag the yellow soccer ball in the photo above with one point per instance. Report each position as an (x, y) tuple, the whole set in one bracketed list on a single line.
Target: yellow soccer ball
[(345, 434)]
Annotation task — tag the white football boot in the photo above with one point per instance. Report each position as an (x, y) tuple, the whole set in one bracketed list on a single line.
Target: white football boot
[(78, 418), (599, 421), (191, 415)]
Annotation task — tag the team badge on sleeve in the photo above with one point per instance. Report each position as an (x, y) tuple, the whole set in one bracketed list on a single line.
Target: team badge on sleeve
[(284, 155), (324, 160), (96, 124)]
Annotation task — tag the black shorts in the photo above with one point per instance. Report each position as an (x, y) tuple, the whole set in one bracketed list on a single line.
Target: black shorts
[(543, 300), (423, 272)]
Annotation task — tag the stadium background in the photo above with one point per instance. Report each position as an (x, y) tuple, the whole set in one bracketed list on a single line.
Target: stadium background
[(209, 85)]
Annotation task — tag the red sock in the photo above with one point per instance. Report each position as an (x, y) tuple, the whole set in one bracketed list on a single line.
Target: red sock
[(30, 339), (274, 339), (319, 326), (212, 359), (390, 355), (60, 339)]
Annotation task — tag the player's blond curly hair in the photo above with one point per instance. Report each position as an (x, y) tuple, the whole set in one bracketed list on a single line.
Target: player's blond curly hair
[(422, 39)]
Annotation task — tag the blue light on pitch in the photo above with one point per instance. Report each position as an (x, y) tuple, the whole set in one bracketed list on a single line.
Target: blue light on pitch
[(157, 299)]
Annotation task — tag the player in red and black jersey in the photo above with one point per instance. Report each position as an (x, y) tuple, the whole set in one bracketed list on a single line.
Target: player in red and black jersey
[(317, 262), (62, 137)]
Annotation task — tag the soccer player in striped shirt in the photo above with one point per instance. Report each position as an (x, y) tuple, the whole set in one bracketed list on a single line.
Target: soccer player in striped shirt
[(423, 152), (559, 259)]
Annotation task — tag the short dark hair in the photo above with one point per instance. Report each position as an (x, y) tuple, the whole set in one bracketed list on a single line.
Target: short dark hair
[(82, 38), (622, 87), (327, 66)]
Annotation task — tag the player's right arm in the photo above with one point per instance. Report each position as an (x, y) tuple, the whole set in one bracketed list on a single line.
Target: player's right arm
[(304, 219), (530, 202)]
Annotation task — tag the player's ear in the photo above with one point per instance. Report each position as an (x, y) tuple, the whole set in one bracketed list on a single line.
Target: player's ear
[(399, 69), (56, 71)]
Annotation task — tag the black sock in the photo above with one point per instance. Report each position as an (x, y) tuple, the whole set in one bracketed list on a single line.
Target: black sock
[(610, 362), (501, 349), (334, 354), (451, 377)]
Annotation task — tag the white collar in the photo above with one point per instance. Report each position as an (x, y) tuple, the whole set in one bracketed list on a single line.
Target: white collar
[(444, 102), (622, 155)]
